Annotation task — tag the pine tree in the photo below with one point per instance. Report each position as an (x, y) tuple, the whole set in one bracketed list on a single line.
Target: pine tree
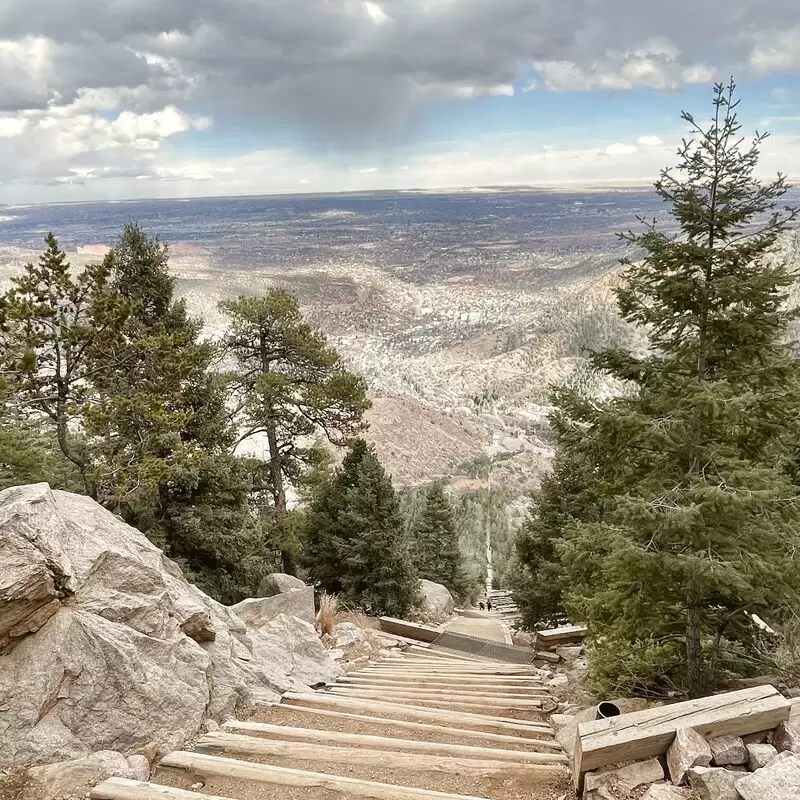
[(162, 434), (702, 526), (435, 542), (325, 538), (289, 385), (58, 327), (378, 570)]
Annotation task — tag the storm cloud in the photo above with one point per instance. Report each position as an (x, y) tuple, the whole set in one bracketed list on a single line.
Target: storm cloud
[(341, 72)]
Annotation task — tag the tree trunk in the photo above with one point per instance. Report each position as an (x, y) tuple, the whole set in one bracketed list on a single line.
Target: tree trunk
[(695, 674), (62, 435)]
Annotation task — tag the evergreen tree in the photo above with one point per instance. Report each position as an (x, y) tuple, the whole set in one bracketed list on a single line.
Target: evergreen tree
[(355, 543), (162, 434), (326, 539), (570, 493), (378, 570), (435, 542), (703, 524), (289, 385), (60, 329)]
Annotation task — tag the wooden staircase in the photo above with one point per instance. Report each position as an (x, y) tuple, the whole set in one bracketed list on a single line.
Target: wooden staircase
[(423, 724)]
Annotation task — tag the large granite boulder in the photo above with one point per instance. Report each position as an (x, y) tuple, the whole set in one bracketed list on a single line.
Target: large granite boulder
[(276, 583), (436, 599), (105, 646)]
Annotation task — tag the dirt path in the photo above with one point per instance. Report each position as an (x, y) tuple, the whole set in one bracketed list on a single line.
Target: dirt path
[(480, 627)]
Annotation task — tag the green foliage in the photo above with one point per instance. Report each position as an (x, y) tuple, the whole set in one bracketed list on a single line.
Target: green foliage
[(288, 385), (437, 554), (699, 520), (356, 544)]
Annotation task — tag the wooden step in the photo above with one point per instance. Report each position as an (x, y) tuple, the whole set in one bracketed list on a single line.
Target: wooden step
[(124, 789), (545, 732), (440, 696), (450, 690), (389, 743), (217, 766), (415, 712), (470, 680), (222, 741), (431, 683)]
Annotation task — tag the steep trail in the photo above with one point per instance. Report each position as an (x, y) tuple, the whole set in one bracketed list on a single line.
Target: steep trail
[(424, 724)]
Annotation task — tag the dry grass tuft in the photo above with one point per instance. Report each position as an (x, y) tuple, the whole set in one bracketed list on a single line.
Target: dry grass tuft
[(326, 616)]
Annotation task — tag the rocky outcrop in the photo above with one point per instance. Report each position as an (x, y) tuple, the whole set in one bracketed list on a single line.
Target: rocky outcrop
[(778, 780), (277, 583), (436, 599), (105, 645)]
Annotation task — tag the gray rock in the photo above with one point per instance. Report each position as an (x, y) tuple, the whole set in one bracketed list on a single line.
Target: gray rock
[(138, 768), (728, 750), (133, 653), (69, 778), (356, 643), (436, 599), (666, 791), (570, 653), (779, 780), (623, 779), (688, 749), (786, 737), (759, 755), (277, 583), (714, 783), (258, 611)]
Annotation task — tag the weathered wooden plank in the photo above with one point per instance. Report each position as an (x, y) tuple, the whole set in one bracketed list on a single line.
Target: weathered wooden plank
[(411, 630), (443, 695), (464, 718), (556, 636), (206, 765), (221, 741), (427, 727), (466, 680), (390, 743), (124, 789), (433, 683), (644, 734)]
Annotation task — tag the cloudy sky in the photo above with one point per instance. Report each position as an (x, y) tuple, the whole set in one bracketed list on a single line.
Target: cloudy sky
[(113, 99)]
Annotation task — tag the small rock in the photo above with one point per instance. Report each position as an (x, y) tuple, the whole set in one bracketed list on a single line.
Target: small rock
[(755, 738), (196, 787), (666, 791), (558, 680), (570, 653), (624, 779), (336, 653), (728, 750), (139, 768), (149, 751), (779, 780), (786, 737), (558, 721), (210, 725), (714, 783), (759, 755), (277, 583), (688, 749)]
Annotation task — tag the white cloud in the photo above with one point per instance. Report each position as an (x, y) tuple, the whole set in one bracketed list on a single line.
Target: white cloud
[(376, 13), (368, 171), (619, 149), (650, 141)]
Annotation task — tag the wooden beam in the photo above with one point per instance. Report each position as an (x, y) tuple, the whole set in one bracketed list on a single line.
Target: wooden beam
[(124, 789), (423, 650), (563, 635), (418, 713), (412, 668), (644, 734), (486, 688), (427, 727), (480, 680), (220, 741), (440, 695), (389, 743), (400, 627), (216, 766)]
